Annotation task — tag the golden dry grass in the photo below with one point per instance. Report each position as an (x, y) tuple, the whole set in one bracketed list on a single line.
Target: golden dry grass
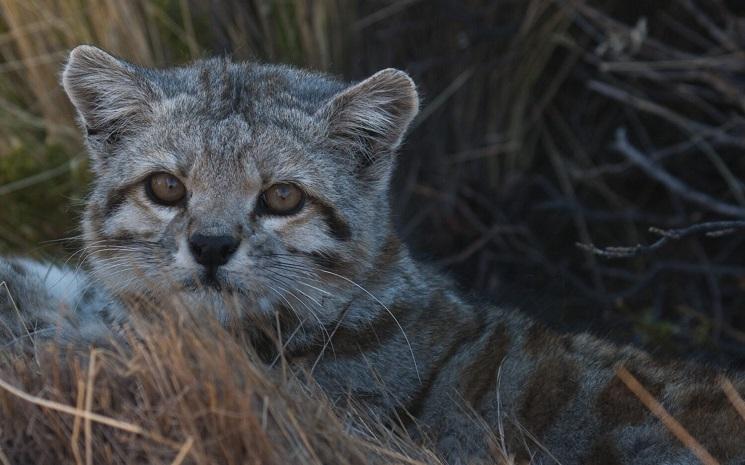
[(36, 36), (181, 390)]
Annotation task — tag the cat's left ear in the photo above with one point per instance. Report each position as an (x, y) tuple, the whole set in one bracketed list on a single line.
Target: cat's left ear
[(368, 120)]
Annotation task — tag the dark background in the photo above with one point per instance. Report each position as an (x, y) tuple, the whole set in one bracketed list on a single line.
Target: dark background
[(545, 123)]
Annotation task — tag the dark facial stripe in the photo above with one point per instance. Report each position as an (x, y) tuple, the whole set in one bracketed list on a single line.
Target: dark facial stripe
[(114, 200), (121, 239), (337, 226), (227, 96)]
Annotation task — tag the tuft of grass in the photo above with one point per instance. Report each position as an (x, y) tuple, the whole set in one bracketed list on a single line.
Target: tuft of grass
[(183, 390)]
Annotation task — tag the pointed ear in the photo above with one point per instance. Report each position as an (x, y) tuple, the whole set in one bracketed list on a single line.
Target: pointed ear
[(110, 95), (368, 120)]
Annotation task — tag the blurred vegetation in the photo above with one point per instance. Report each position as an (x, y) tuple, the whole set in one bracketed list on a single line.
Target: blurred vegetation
[(515, 158)]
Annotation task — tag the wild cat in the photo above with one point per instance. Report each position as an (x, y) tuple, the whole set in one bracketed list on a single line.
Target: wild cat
[(261, 193)]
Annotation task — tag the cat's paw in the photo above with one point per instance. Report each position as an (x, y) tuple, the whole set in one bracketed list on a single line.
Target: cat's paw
[(40, 301), (21, 295)]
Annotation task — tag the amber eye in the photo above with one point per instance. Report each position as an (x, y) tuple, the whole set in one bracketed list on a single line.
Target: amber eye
[(283, 199), (165, 189)]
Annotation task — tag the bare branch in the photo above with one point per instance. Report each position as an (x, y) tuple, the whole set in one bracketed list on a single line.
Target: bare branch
[(710, 229), (624, 147), (688, 125)]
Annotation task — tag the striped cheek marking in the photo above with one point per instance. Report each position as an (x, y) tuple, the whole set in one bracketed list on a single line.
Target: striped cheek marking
[(337, 227), (115, 199), (318, 227), (131, 214)]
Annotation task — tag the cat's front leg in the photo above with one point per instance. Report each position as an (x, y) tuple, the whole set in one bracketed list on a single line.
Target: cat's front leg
[(22, 298), (40, 301)]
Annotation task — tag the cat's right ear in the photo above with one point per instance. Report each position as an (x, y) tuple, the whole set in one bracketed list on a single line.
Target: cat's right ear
[(110, 95)]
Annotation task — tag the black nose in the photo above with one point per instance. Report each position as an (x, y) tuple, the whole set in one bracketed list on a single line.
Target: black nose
[(213, 251)]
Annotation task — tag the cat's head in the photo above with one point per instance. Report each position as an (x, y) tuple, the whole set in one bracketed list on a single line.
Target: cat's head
[(262, 184)]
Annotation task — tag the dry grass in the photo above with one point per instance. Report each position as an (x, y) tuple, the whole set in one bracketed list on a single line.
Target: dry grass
[(38, 34), (181, 392)]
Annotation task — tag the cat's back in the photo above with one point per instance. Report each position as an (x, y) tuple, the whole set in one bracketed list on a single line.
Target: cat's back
[(551, 397)]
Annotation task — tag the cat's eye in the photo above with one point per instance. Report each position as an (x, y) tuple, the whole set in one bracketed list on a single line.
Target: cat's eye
[(282, 199), (165, 189)]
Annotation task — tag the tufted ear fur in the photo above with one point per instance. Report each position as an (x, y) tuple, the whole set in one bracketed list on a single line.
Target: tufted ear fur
[(110, 95), (368, 120)]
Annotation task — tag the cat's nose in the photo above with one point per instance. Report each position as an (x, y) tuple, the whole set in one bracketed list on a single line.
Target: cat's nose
[(213, 251)]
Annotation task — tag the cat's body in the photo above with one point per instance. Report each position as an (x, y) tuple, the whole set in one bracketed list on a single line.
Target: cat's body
[(260, 193)]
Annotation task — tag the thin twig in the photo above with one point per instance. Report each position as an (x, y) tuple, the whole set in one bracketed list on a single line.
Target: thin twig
[(478, 244), (388, 453), (383, 13), (76, 425), (66, 167), (624, 147), (104, 420), (3, 458), (442, 98), (710, 229), (87, 426), (660, 412), (184, 451), (18, 312), (733, 396)]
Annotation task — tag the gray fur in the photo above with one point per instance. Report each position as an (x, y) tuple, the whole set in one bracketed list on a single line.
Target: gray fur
[(371, 325), (229, 131), (40, 300)]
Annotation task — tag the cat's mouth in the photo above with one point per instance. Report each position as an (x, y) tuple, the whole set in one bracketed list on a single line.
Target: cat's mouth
[(210, 281)]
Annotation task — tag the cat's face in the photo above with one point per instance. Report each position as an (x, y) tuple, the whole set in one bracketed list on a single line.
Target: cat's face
[(263, 187)]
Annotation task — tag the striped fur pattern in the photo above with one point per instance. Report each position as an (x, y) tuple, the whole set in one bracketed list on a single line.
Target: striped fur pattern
[(371, 325)]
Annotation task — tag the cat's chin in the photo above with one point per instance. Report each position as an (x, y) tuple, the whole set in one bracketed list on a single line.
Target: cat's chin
[(226, 306), (210, 285)]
